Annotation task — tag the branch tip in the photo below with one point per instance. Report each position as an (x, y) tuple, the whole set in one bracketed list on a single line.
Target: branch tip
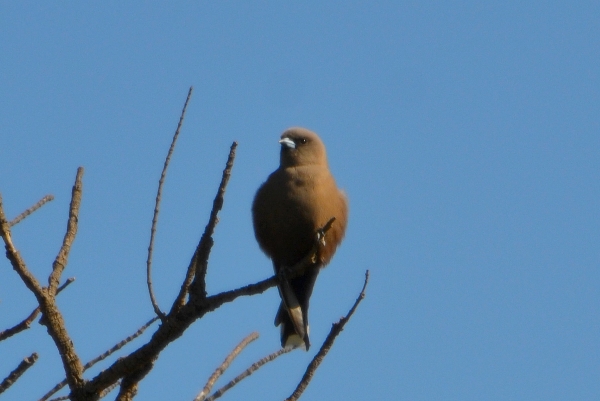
[(13, 376), (61, 259), (32, 209), (253, 368), (336, 329), (223, 367), (195, 280), (161, 183)]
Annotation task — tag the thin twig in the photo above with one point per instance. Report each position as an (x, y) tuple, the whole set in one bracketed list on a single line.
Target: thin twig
[(65, 284), (25, 324), (32, 209), (221, 369), (22, 326), (15, 374), (253, 368), (101, 357), (161, 182), (197, 268), (213, 302), (120, 344), (14, 257), (61, 259), (336, 329)]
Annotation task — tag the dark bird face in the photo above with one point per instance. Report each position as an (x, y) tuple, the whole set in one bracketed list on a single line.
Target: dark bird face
[(301, 147)]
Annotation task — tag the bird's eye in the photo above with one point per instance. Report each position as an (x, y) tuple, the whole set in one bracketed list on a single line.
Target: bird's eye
[(302, 140)]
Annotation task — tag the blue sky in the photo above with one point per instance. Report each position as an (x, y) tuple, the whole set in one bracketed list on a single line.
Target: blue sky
[(466, 135)]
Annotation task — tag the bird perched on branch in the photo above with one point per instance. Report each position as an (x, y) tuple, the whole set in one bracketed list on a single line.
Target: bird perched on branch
[(297, 200)]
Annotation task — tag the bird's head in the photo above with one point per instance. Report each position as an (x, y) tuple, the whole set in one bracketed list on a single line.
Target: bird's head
[(301, 147)]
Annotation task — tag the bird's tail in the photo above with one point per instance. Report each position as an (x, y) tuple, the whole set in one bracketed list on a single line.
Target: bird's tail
[(289, 334), (294, 323), (293, 311)]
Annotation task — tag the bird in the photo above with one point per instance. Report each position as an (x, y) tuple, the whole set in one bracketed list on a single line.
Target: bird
[(297, 200)]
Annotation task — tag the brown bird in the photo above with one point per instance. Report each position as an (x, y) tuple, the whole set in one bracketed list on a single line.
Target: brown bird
[(297, 200)]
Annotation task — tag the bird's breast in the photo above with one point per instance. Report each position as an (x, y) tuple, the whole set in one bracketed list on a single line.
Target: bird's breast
[(288, 209)]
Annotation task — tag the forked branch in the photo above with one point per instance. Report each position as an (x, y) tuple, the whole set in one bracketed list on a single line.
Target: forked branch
[(26, 323), (103, 356), (46, 297), (197, 269)]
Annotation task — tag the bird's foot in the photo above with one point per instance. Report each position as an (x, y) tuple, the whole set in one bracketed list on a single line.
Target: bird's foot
[(321, 237)]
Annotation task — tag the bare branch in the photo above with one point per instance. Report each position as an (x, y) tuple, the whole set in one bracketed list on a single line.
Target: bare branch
[(221, 369), (197, 269), (161, 182), (25, 324), (336, 329), (120, 344), (169, 331), (253, 368), (215, 301), (15, 374), (14, 257), (65, 285), (61, 259), (52, 318), (32, 209), (103, 356), (22, 326)]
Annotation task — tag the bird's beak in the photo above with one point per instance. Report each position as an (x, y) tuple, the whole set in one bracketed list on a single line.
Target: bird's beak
[(288, 142)]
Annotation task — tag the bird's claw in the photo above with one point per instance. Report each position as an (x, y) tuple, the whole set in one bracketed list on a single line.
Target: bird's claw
[(321, 237)]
